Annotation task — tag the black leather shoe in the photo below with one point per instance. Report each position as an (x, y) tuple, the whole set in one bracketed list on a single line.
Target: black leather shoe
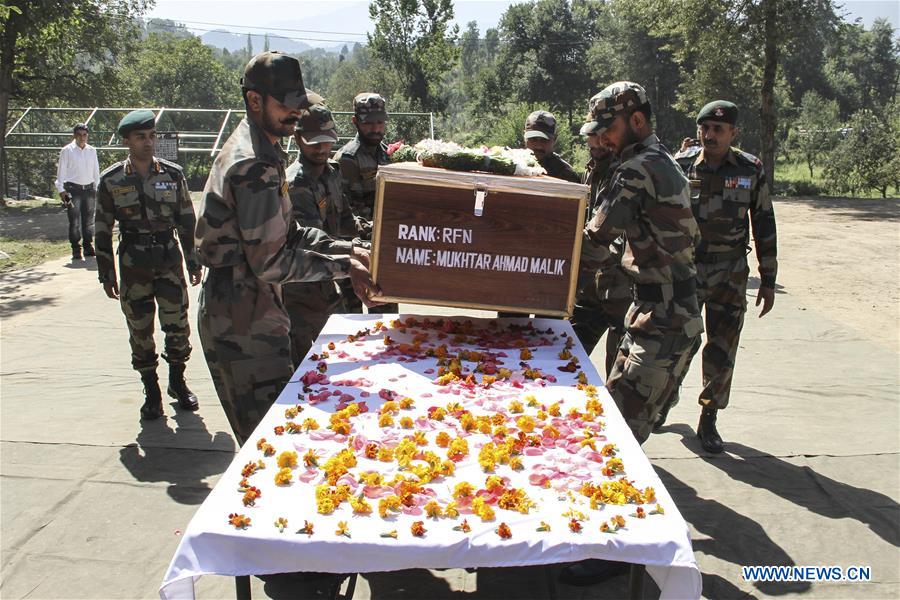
[(661, 418), (76, 252), (152, 408), (179, 390), (591, 572), (89, 249), (706, 431)]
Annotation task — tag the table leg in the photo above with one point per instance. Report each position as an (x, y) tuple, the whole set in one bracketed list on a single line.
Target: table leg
[(242, 587), (636, 582)]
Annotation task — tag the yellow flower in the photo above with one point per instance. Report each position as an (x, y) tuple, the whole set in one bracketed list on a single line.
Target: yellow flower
[(385, 420), (433, 509), (310, 425), (406, 422), (516, 407), (360, 505), (311, 458), (452, 512), (442, 439), (385, 454), (487, 457), (281, 523), (325, 506), (482, 509), (390, 534), (307, 528), (525, 354), (463, 490), (525, 423), (407, 403), (544, 527), (287, 459), (658, 510), (290, 413), (459, 449), (342, 529), (554, 409), (283, 476)]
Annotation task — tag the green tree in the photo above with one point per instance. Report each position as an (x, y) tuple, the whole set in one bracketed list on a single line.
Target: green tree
[(64, 52), (866, 158), (815, 130), (416, 39)]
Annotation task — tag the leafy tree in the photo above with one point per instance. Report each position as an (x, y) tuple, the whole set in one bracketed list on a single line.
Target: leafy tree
[(815, 130), (416, 39), (866, 158), (64, 52)]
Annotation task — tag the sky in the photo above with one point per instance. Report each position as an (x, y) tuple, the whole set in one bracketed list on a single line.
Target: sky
[(347, 21)]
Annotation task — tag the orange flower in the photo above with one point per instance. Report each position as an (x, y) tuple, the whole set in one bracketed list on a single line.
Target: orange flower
[(239, 521), (371, 450), (406, 422), (283, 476), (360, 505), (443, 439), (293, 411), (310, 425), (604, 527), (575, 525), (407, 403), (464, 527), (287, 459), (525, 354), (307, 528), (260, 443), (504, 531), (251, 495), (342, 529), (281, 523), (433, 509), (418, 528), (311, 459), (279, 430)]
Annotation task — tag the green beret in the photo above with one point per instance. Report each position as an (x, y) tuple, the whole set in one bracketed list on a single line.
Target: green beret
[(135, 120), (719, 110)]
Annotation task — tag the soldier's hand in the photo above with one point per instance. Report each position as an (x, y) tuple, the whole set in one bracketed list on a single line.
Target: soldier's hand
[(363, 286), (766, 296), (687, 143), (362, 255), (195, 277), (112, 289)]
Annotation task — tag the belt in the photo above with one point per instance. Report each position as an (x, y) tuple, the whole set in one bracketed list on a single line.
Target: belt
[(714, 257), (655, 292), (89, 186), (156, 237)]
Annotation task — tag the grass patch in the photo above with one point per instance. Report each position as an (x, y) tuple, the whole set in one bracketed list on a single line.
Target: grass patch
[(792, 179), (29, 253)]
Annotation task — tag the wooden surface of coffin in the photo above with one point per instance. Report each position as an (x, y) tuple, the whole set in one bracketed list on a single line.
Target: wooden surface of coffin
[(477, 240)]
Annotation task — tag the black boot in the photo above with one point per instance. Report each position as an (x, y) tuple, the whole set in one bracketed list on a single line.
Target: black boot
[(706, 431), (661, 417), (152, 408), (89, 248), (591, 572), (76, 252), (178, 389)]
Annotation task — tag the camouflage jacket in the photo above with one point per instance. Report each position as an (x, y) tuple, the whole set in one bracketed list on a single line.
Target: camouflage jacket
[(597, 175), (245, 217), (729, 201), (359, 165), (648, 200), (155, 204), (318, 200), (557, 167)]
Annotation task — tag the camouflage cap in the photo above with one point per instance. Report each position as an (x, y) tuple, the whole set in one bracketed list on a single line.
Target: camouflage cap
[(540, 124), (369, 107), (136, 120), (615, 99), (316, 125), (278, 75), (719, 110)]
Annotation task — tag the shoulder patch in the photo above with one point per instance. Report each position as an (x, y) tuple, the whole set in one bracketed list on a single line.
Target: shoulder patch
[(168, 164), (113, 168), (746, 157)]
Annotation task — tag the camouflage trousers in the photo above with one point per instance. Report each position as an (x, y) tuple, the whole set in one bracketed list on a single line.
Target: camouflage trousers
[(658, 335), (594, 316), (145, 289), (245, 334), (309, 304), (722, 289), (352, 304)]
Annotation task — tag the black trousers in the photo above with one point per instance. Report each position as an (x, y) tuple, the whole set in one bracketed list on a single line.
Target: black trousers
[(81, 213)]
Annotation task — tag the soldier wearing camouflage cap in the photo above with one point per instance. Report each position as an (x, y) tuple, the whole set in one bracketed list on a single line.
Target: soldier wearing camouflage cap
[(248, 239), (359, 160), (647, 202), (540, 138), (317, 200), (729, 197), (149, 198)]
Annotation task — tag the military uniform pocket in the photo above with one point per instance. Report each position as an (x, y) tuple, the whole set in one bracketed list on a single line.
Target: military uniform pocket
[(165, 202), (127, 206), (736, 202)]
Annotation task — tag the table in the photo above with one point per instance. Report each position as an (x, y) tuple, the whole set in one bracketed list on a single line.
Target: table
[(541, 469)]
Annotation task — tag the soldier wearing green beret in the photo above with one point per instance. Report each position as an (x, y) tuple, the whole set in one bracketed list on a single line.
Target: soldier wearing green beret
[(540, 138), (359, 160), (729, 198), (149, 198), (250, 242), (317, 200)]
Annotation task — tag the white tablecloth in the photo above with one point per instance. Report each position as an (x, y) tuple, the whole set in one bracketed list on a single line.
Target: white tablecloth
[(358, 371)]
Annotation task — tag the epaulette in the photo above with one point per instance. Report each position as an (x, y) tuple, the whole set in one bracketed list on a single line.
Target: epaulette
[(112, 169), (169, 164), (746, 158)]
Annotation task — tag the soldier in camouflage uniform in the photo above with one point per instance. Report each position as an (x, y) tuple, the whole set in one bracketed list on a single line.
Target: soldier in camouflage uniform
[(540, 138), (648, 201), (359, 160), (729, 196), (247, 237), (598, 311), (149, 198), (318, 201)]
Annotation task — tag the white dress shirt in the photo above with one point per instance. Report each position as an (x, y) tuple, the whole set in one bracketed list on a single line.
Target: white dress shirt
[(77, 165)]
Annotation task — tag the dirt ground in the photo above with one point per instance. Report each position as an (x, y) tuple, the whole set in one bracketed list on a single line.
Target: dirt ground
[(92, 503)]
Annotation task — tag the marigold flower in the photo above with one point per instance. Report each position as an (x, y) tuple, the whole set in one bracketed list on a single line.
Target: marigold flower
[(389, 534), (463, 490), (649, 495), (619, 521), (360, 505), (307, 528), (458, 449), (406, 422), (658, 510), (279, 430), (639, 513), (504, 373), (281, 523), (565, 354), (525, 423), (604, 527), (487, 457), (418, 528), (311, 459), (287, 459), (464, 527), (310, 425), (292, 427), (525, 354), (239, 521), (608, 450), (251, 495), (516, 407), (342, 529), (433, 509), (420, 439), (582, 378), (407, 403), (451, 511), (482, 509), (543, 527), (385, 454), (385, 420), (388, 504), (249, 469), (575, 525), (504, 531), (325, 506), (293, 411), (554, 410)]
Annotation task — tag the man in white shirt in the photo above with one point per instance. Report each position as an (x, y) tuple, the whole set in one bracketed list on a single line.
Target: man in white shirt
[(77, 178)]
